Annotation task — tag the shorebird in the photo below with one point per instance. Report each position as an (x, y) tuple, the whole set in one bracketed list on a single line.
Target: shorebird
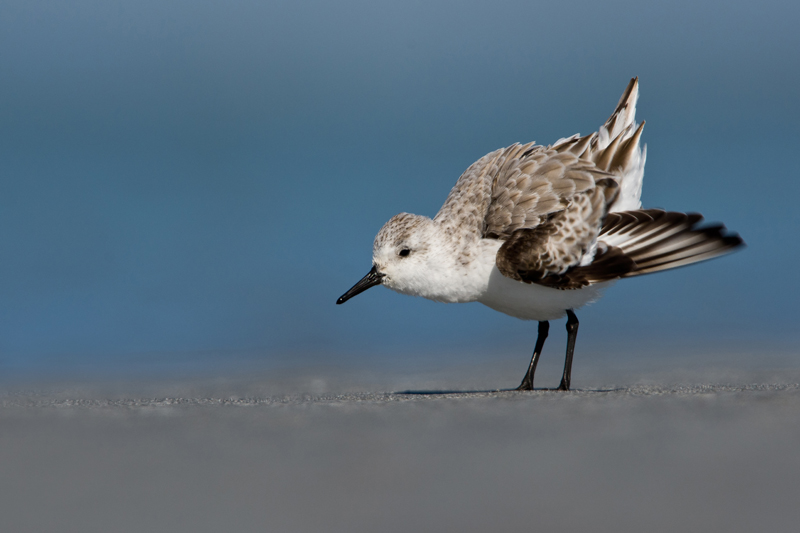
[(536, 232)]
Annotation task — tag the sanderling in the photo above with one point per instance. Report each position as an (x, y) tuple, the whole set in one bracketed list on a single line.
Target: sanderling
[(536, 232)]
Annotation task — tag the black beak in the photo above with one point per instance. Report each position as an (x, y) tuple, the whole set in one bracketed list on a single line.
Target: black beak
[(370, 280)]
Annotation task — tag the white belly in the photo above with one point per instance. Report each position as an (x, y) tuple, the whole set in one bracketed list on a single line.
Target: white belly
[(529, 301)]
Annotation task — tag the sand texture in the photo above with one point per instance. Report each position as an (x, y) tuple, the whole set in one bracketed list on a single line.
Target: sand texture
[(234, 457)]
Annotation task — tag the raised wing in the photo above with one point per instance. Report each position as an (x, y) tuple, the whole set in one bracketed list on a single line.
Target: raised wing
[(549, 203), (521, 186), (533, 183)]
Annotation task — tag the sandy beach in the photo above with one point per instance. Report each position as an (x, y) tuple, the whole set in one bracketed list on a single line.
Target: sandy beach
[(262, 453)]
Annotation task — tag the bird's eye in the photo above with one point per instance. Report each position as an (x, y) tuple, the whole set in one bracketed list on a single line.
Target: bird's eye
[(404, 252)]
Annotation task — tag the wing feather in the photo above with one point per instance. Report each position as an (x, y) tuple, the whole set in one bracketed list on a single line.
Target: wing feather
[(525, 186), (535, 183), (554, 247), (633, 243)]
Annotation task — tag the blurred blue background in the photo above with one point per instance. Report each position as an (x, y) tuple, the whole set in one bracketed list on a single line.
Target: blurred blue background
[(187, 185)]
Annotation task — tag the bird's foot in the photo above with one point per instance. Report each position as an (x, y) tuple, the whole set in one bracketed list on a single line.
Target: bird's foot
[(527, 384)]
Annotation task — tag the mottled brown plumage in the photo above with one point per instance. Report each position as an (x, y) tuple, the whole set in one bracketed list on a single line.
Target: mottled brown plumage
[(558, 243), (548, 204)]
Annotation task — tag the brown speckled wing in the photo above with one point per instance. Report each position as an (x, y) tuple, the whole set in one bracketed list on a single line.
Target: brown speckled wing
[(522, 185), (534, 182), (464, 210), (609, 263), (547, 203), (552, 248)]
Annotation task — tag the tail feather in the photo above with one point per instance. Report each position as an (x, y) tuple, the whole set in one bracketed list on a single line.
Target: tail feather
[(628, 157), (658, 240), (632, 243), (624, 114), (615, 149)]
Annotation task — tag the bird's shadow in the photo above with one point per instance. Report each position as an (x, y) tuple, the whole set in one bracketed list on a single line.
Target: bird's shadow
[(446, 392)]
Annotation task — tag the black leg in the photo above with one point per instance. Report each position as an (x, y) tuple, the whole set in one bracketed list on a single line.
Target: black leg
[(572, 334), (527, 382)]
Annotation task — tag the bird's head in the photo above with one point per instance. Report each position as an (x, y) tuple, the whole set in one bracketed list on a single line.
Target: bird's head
[(399, 256)]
